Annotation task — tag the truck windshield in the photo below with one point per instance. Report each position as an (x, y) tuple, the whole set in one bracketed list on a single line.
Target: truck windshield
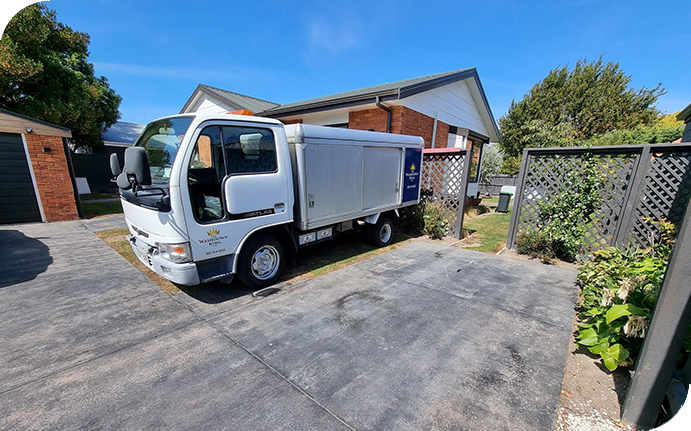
[(161, 139)]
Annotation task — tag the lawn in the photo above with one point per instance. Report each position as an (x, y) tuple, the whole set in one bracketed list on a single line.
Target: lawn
[(96, 209), (319, 259), (94, 196), (487, 234)]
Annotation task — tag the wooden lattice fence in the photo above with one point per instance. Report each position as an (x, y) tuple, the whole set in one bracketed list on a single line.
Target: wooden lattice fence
[(640, 182), (445, 180)]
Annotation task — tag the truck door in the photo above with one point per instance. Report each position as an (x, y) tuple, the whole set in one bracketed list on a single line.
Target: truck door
[(381, 176), (238, 179)]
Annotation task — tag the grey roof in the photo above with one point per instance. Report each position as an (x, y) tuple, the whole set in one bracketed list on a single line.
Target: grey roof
[(395, 90), (123, 132), (235, 100), (685, 114)]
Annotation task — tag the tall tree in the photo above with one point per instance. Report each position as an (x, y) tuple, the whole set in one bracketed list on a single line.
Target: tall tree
[(492, 159), (45, 74), (570, 106)]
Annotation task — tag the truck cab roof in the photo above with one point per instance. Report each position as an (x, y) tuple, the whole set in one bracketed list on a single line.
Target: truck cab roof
[(202, 116)]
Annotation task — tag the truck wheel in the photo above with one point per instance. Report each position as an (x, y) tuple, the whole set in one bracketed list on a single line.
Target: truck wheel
[(261, 261), (381, 233)]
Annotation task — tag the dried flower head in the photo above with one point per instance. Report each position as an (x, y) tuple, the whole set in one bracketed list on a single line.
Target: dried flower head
[(625, 287), (607, 298), (636, 326)]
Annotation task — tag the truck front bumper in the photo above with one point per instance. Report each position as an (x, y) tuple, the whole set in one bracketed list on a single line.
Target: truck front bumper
[(179, 273)]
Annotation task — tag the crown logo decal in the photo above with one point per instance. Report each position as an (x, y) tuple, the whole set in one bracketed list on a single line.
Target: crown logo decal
[(213, 232)]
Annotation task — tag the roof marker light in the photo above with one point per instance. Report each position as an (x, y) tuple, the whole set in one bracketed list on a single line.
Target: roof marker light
[(242, 112)]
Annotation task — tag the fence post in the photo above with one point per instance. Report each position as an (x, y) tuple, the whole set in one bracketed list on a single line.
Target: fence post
[(467, 162), (633, 195), (666, 335), (518, 198)]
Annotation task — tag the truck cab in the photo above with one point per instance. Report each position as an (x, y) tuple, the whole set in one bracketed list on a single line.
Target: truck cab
[(208, 196)]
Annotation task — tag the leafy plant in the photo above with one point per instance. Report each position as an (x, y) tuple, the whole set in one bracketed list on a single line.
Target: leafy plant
[(413, 220), (619, 289), (562, 219), (435, 222)]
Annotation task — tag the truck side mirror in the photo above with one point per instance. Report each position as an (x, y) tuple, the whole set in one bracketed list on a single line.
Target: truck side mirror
[(115, 165), (137, 165)]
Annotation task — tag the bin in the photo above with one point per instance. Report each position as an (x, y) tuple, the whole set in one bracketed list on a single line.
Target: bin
[(503, 205)]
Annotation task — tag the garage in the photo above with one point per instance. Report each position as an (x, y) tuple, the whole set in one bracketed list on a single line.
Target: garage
[(18, 203), (35, 176)]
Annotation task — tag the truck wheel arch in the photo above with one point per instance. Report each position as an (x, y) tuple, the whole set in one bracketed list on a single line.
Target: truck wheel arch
[(393, 215), (280, 232)]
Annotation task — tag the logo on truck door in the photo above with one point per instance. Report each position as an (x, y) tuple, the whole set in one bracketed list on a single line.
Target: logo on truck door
[(215, 238)]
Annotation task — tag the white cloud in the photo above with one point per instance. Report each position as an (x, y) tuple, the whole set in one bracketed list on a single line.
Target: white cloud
[(333, 36)]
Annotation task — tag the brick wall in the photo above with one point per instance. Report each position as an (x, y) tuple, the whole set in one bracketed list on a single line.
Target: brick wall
[(52, 177), (369, 119), (404, 121)]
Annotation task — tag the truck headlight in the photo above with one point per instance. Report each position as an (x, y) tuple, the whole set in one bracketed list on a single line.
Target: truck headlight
[(177, 253)]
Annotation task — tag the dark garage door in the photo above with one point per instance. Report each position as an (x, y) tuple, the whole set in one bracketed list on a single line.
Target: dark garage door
[(18, 202)]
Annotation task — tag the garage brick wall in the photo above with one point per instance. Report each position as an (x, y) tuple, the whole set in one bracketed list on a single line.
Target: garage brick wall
[(404, 121), (52, 177)]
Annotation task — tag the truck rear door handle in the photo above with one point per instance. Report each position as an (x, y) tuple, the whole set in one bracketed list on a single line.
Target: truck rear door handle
[(279, 205)]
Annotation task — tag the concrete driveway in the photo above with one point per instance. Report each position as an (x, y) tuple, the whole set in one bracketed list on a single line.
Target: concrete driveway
[(423, 337)]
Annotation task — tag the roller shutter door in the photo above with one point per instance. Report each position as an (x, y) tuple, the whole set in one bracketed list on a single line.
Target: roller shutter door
[(18, 203)]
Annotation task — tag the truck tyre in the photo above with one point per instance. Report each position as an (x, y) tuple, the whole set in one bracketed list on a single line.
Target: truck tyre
[(381, 233), (261, 263)]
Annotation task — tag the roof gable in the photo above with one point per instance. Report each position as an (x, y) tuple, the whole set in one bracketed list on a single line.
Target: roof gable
[(235, 100)]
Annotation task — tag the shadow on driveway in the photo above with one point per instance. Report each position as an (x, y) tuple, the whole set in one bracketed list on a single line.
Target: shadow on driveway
[(23, 258), (309, 262)]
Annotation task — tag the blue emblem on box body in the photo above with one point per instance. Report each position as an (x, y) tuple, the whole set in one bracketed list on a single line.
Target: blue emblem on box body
[(411, 176)]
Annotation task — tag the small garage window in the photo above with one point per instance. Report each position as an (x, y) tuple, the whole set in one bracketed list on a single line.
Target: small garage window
[(249, 150)]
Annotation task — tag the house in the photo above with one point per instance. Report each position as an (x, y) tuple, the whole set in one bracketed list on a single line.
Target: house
[(92, 169), (685, 116), (449, 110), (35, 180)]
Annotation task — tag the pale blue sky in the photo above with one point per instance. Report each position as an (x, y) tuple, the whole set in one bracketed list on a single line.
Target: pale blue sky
[(155, 52)]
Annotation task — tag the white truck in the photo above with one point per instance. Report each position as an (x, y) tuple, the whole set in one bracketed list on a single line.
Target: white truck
[(208, 196)]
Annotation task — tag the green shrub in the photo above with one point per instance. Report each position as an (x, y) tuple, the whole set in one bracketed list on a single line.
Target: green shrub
[(535, 244), (619, 289), (413, 221), (435, 222)]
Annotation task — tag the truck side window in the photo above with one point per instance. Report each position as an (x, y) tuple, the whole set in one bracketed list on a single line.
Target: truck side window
[(249, 150), (205, 173)]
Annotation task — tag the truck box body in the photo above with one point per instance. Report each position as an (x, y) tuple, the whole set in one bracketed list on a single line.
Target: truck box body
[(342, 174)]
